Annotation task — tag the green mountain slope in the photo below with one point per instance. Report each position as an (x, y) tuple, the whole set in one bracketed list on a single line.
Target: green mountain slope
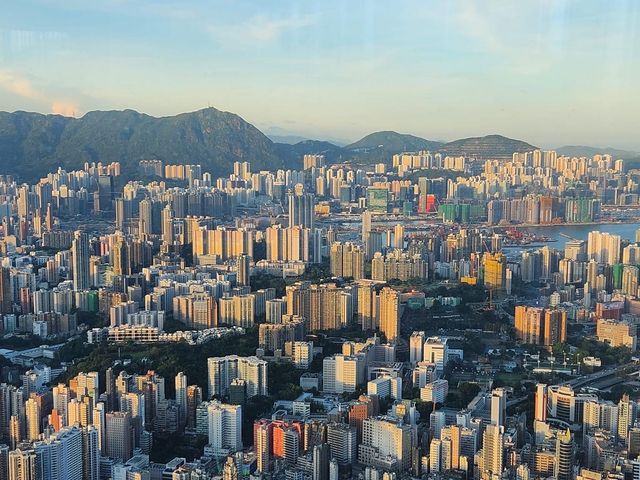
[(488, 147), (32, 144)]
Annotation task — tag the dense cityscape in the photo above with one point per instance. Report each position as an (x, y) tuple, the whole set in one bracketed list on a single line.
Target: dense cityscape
[(419, 318)]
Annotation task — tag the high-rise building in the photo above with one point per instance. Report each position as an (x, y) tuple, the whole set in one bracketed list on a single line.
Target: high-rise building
[(80, 261), (541, 401), (33, 416), (61, 398), (230, 469), (389, 313), (398, 237), (222, 370), (262, 438), (118, 435), (604, 247), (626, 415), (416, 347), (24, 465), (243, 272), (4, 462), (563, 469), (493, 450), (225, 428), (495, 266), (498, 406), (288, 244), (311, 161), (342, 440), (538, 326), (347, 260), (342, 373), (194, 398), (321, 462), (291, 445), (387, 438), (181, 394), (61, 454), (301, 208), (6, 292), (367, 305)]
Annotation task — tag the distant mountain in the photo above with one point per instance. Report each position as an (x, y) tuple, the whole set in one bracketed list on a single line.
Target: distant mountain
[(487, 147), (289, 139), (380, 146), (292, 154), (392, 141), (584, 151), (32, 144)]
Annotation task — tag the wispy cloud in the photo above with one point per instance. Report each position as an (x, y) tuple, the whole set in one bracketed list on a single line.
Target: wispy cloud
[(20, 85), (262, 28)]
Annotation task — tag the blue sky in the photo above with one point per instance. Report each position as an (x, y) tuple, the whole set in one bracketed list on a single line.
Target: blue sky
[(551, 72)]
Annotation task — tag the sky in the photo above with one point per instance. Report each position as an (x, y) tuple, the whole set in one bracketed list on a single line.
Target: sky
[(551, 72)]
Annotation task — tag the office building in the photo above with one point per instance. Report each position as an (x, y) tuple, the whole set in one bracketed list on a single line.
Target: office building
[(118, 435)]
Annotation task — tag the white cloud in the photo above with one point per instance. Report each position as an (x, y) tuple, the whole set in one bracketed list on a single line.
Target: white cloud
[(260, 28), (21, 86)]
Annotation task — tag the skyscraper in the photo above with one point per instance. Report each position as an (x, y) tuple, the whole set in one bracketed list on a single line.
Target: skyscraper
[(564, 456), (347, 260), (80, 261), (243, 272), (194, 398), (181, 394), (541, 399), (626, 416), (61, 454), (6, 292), (321, 462), (90, 453), (493, 450), (498, 406), (389, 313), (222, 370), (118, 435), (225, 427), (23, 465), (32, 413), (301, 208)]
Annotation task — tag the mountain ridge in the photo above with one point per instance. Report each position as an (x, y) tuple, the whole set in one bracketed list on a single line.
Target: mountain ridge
[(32, 144)]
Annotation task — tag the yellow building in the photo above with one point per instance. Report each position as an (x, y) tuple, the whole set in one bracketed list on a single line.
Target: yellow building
[(495, 268), (389, 313)]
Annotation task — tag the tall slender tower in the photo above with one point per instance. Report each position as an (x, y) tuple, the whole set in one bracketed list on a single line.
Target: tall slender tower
[(243, 272), (80, 261), (181, 395), (6, 296), (32, 410), (564, 456), (498, 406), (389, 313), (493, 450)]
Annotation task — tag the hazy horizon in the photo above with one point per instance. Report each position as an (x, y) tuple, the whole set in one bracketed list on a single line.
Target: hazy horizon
[(548, 73)]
